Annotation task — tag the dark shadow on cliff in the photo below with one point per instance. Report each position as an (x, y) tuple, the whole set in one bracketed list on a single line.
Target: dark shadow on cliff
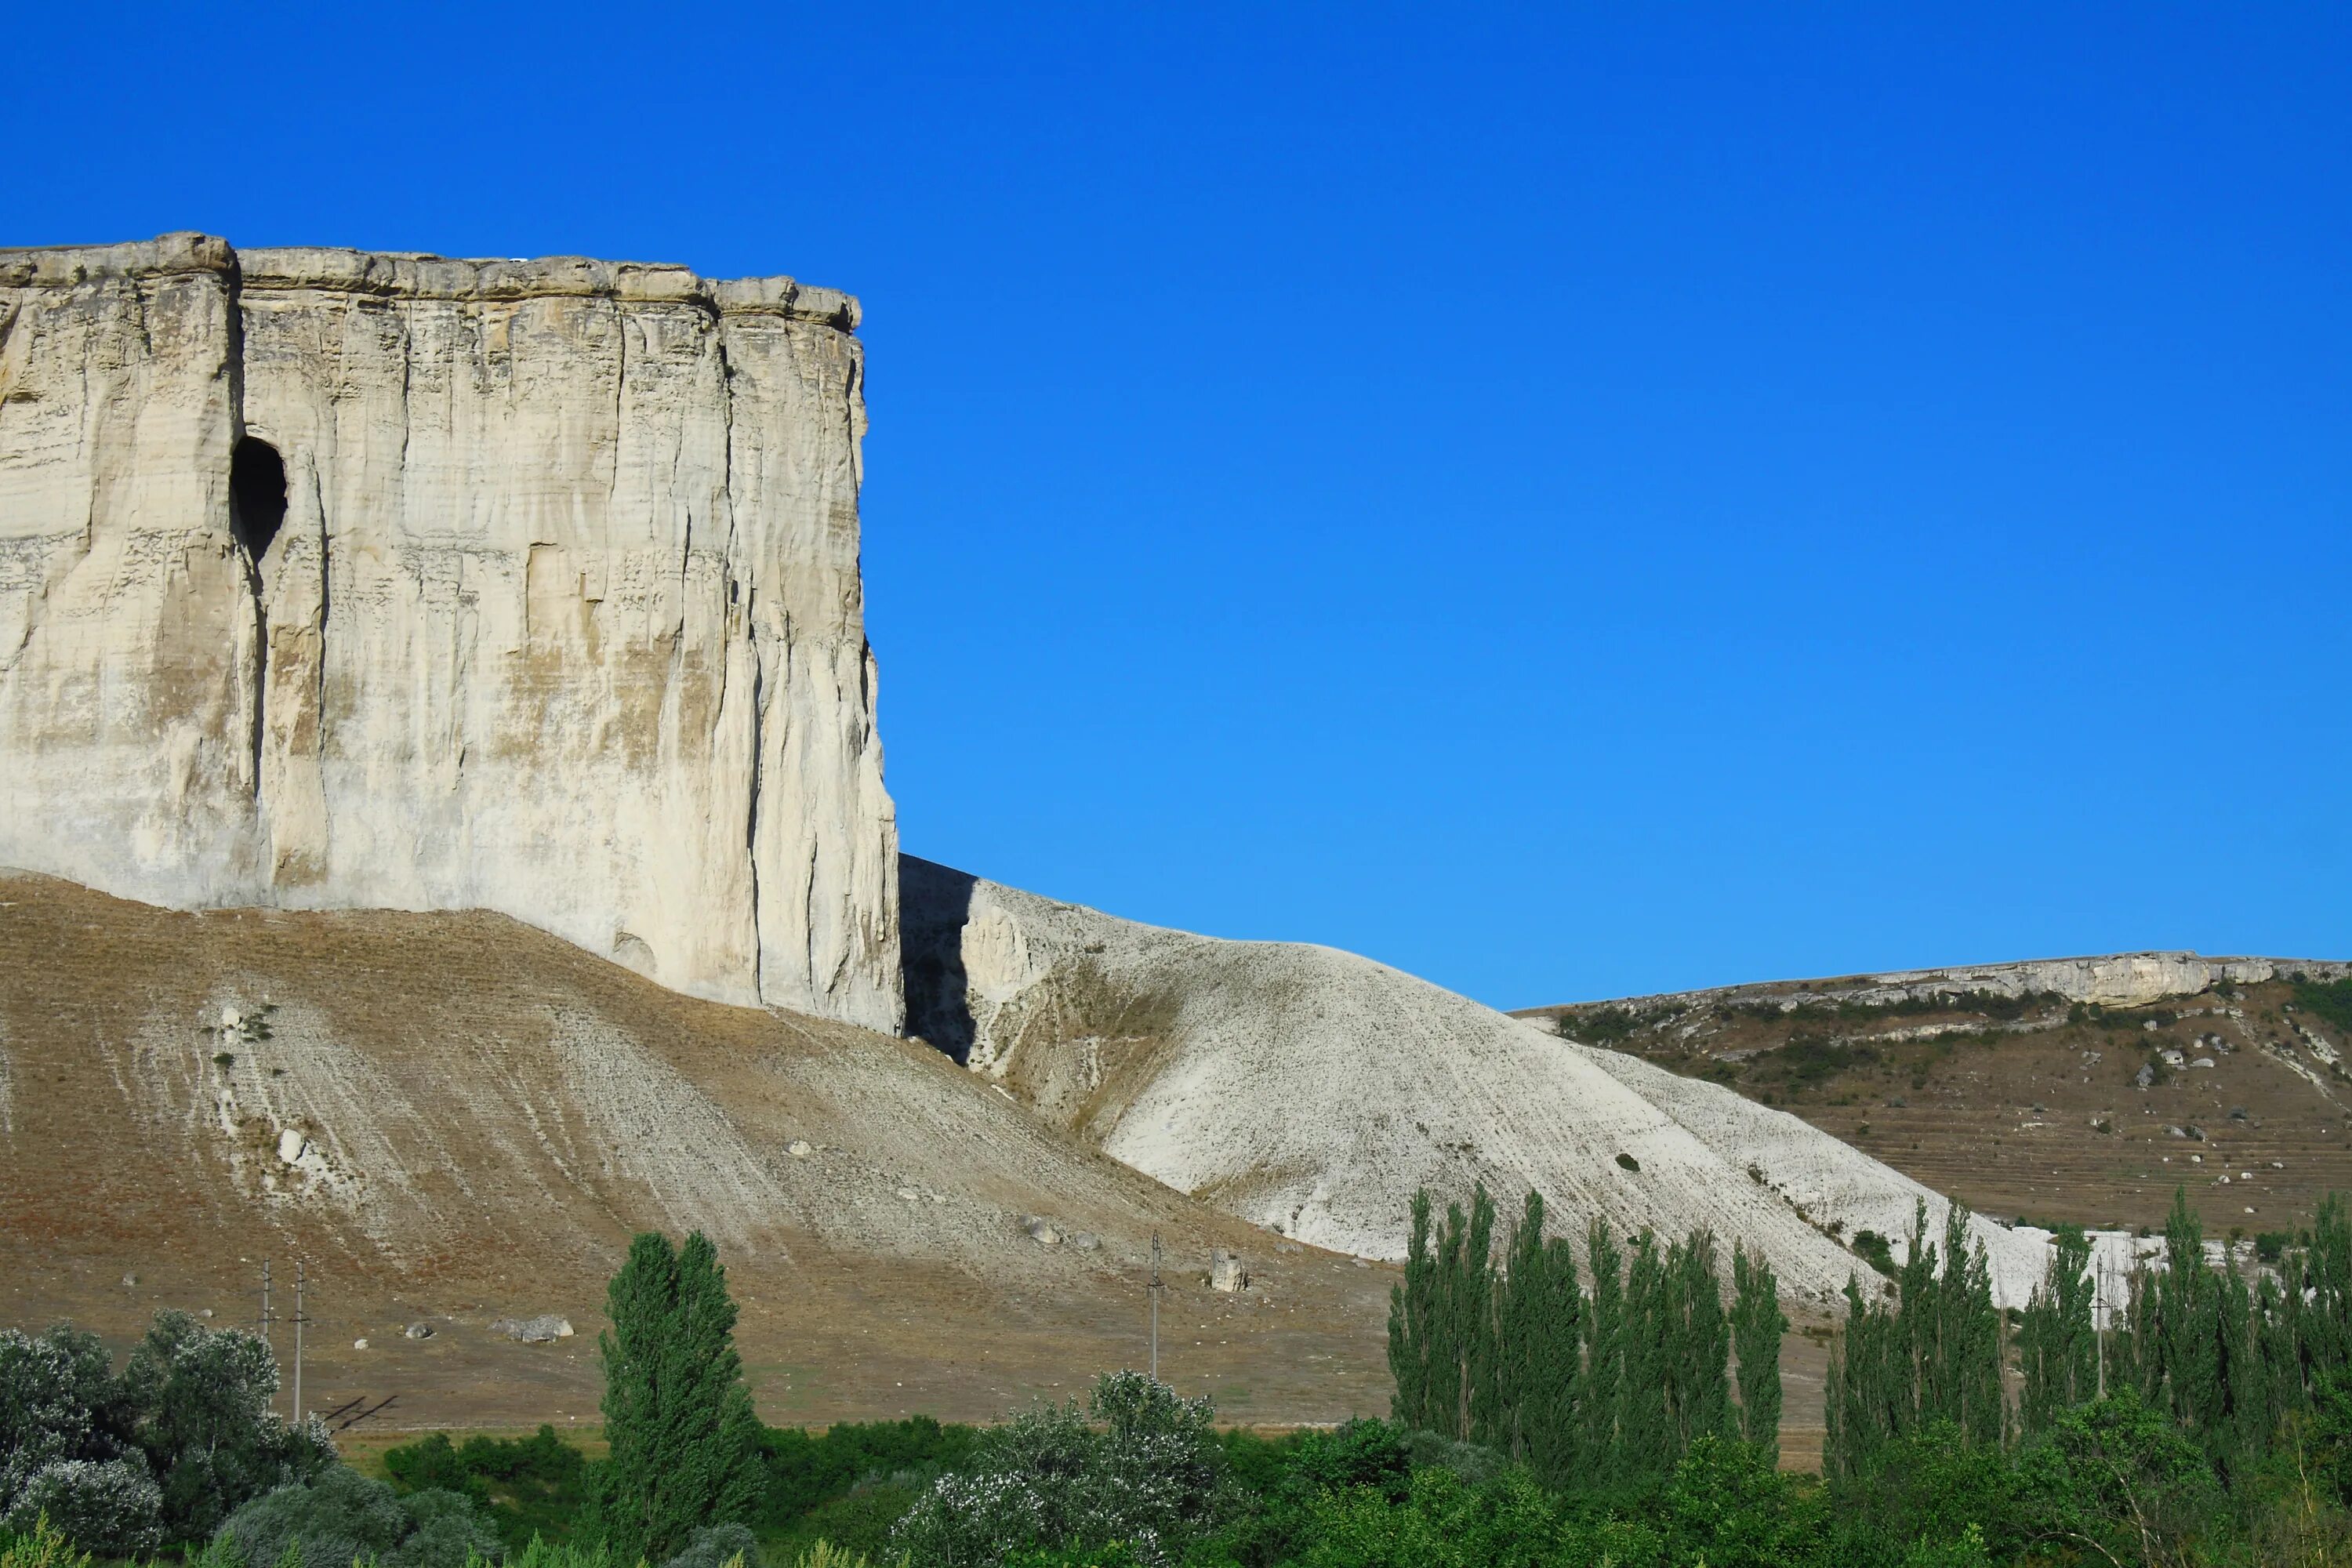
[(934, 902)]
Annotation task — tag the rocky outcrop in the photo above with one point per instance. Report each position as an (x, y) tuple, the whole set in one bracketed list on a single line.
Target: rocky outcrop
[(2111, 980), (330, 579)]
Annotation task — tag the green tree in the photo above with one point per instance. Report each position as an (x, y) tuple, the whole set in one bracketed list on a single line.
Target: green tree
[(2119, 1480), (1644, 1444), (1522, 1338), (1475, 1322), (1757, 1325), (1934, 1356), (1412, 1312), (1604, 1355), (1698, 1342), (685, 1443), (2057, 1339)]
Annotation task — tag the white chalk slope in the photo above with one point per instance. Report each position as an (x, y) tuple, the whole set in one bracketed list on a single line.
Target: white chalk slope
[(1312, 1091)]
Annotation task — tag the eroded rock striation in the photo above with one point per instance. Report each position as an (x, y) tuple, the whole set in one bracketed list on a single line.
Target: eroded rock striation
[(330, 579), (1312, 1091)]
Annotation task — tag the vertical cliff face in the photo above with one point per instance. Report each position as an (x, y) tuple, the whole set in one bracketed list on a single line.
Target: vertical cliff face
[(330, 579)]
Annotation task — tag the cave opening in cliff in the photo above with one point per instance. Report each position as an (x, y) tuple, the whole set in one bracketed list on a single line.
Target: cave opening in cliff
[(257, 494)]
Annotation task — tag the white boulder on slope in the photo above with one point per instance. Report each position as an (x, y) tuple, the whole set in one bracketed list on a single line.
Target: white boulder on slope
[(1313, 1092)]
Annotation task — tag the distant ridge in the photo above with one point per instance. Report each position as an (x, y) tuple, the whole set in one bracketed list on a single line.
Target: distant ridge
[(2119, 979)]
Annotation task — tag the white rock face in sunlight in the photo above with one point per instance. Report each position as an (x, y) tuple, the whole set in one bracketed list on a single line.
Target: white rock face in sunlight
[(330, 579)]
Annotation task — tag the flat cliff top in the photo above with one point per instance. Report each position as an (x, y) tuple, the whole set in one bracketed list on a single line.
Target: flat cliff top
[(415, 275)]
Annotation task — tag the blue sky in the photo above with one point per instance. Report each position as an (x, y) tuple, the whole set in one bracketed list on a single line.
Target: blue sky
[(1571, 501)]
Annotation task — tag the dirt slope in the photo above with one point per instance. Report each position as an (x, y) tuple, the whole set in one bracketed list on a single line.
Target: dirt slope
[(453, 1118), (1313, 1092), (2019, 1086)]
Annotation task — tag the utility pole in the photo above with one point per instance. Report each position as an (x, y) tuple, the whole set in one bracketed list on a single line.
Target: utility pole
[(266, 1318), (2098, 1313), (301, 1317), (1155, 1306)]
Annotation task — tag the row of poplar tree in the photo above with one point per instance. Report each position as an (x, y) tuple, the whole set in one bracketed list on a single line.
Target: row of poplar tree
[(1507, 1347), (2227, 1352)]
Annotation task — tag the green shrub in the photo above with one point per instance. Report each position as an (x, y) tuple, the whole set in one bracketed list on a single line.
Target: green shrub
[(719, 1546), (533, 1486), (802, 1472), (859, 1520), (2331, 1000), (43, 1546), (341, 1516), (1145, 1473)]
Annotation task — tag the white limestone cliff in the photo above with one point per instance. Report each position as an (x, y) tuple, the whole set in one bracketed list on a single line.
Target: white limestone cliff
[(563, 617)]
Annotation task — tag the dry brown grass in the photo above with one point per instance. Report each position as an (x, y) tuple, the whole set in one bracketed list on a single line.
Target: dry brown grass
[(475, 1081)]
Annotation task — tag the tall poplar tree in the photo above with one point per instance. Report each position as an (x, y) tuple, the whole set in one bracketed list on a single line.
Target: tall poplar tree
[(1643, 1441), (1522, 1335), (1604, 1355), (685, 1443), (1478, 1322), (1413, 1307), (1449, 1401), (1934, 1356), (1698, 1347), (2057, 1338), (1555, 1379), (1757, 1325)]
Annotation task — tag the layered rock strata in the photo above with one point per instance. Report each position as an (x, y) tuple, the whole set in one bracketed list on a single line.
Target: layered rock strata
[(339, 580)]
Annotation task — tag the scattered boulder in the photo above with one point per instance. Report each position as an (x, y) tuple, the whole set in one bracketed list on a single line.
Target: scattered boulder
[(358, 1344), (291, 1145), (2197, 1132), (2176, 1132), (1041, 1230), (2202, 1062), (130, 1281), (2144, 1077), (1087, 1241), (418, 1331), (798, 1149), (1225, 1271), (2237, 1113), (545, 1329)]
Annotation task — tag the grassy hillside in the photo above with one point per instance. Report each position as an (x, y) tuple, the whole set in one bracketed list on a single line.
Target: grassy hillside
[(2033, 1106)]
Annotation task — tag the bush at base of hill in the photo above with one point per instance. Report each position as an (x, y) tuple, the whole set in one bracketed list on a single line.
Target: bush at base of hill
[(107, 1506), (1145, 1473), (341, 1517), (161, 1452)]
